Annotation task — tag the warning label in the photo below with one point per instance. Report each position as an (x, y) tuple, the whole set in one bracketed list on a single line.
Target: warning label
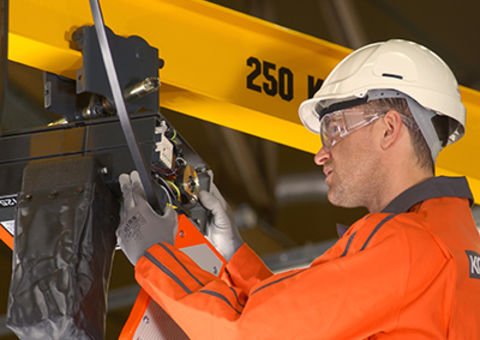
[(7, 212)]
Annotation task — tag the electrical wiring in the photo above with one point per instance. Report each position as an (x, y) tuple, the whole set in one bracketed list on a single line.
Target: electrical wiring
[(164, 172), (166, 186), (183, 162), (174, 135), (180, 163), (168, 195), (174, 187)]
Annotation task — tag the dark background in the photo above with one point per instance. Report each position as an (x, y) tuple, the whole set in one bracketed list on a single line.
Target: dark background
[(285, 229)]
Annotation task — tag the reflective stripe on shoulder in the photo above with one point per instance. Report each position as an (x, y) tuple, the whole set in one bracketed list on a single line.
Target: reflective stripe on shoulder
[(382, 222), (348, 244)]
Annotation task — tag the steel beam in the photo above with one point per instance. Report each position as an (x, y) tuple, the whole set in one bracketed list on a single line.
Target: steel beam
[(212, 56)]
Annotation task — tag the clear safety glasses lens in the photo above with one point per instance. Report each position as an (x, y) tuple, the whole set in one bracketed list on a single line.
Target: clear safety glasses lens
[(337, 125)]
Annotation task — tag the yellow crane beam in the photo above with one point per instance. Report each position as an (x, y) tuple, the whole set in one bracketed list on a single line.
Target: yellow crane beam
[(220, 65)]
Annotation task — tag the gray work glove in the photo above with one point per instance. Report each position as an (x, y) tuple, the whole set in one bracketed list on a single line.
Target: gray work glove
[(221, 229), (140, 226)]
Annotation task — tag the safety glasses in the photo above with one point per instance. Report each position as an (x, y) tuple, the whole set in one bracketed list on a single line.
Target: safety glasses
[(337, 125)]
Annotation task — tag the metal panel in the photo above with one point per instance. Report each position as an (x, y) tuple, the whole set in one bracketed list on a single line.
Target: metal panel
[(102, 139), (210, 54)]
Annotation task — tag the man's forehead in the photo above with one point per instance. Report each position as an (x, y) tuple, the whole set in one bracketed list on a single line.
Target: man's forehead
[(355, 110)]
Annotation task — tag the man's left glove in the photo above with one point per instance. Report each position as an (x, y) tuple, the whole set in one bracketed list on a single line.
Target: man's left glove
[(140, 226)]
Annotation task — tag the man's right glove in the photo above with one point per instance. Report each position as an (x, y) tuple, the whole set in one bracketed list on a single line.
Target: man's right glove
[(140, 226), (221, 229)]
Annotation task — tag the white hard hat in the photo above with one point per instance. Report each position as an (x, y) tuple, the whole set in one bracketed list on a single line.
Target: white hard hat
[(404, 67)]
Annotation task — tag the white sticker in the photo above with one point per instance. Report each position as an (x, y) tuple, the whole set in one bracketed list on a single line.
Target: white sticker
[(165, 148)]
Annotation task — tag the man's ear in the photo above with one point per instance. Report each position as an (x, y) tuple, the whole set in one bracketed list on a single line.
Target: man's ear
[(392, 124)]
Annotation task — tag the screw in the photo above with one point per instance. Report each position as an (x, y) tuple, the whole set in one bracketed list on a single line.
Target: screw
[(181, 233), (104, 170), (28, 197), (53, 194), (79, 189)]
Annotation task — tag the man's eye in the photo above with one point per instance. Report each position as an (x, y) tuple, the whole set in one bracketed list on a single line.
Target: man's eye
[(333, 128)]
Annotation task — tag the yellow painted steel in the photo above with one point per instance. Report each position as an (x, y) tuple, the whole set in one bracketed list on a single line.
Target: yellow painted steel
[(209, 54)]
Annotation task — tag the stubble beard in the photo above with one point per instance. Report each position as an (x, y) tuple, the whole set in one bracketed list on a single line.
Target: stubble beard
[(354, 189)]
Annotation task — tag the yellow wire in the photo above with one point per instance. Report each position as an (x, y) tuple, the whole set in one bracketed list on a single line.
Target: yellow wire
[(175, 187), (173, 138)]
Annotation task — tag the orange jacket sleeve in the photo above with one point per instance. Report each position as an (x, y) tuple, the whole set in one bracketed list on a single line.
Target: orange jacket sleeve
[(245, 269), (341, 295)]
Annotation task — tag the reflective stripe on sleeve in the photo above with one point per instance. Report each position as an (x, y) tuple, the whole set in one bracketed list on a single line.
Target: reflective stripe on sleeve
[(181, 264), (167, 271), (220, 296), (276, 281), (236, 296)]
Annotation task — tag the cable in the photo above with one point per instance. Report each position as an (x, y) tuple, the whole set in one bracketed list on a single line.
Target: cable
[(175, 187), (174, 134), (166, 186), (182, 160), (166, 193), (3, 53), (125, 123)]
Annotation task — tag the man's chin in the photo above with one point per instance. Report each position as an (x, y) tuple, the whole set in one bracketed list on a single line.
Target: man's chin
[(332, 198), (339, 201)]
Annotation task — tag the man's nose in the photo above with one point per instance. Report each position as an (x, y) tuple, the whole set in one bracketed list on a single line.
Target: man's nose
[(322, 156)]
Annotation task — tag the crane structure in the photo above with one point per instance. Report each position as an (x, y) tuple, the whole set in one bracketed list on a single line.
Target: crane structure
[(220, 65)]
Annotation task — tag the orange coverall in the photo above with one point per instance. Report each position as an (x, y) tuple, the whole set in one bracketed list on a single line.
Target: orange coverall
[(409, 272)]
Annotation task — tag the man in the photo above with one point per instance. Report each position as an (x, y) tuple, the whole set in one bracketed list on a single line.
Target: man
[(407, 270)]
